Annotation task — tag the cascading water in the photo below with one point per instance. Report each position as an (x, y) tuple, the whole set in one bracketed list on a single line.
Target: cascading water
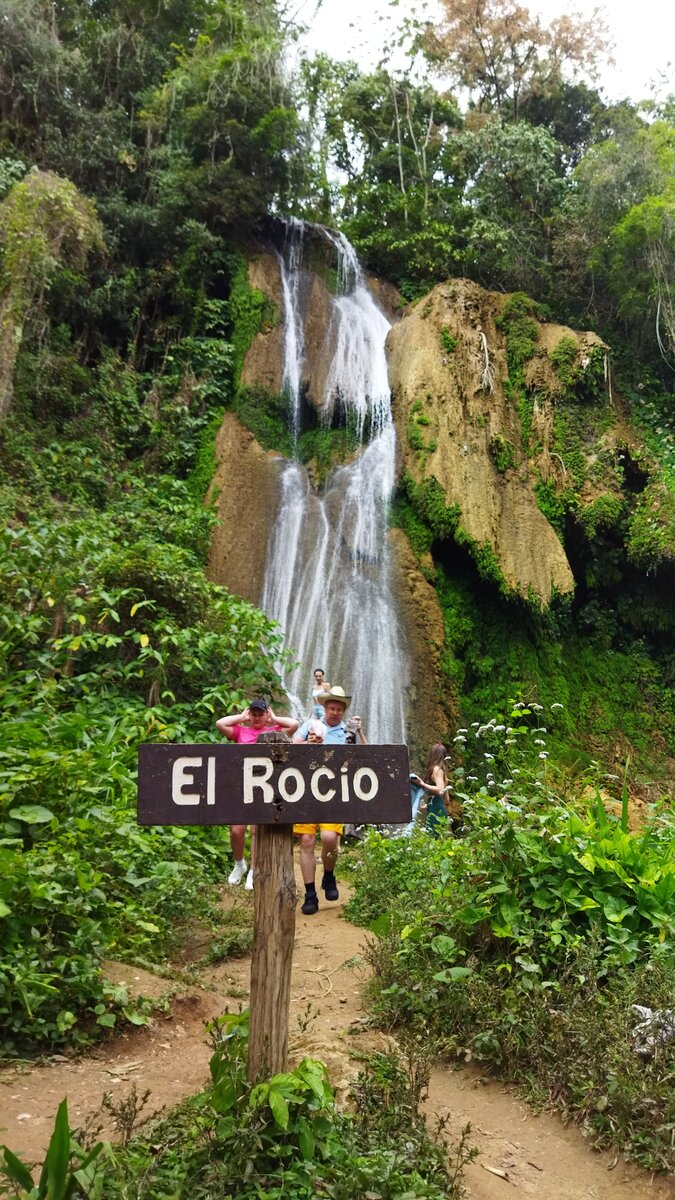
[(328, 572)]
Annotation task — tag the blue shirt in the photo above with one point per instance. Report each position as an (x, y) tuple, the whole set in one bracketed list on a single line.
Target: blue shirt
[(335, 734)]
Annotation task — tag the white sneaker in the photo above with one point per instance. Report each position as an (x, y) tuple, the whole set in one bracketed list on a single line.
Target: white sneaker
[(249, 880), (237, 873)]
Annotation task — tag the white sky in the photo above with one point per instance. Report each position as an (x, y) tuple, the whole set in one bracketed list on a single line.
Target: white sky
[(643, 32)]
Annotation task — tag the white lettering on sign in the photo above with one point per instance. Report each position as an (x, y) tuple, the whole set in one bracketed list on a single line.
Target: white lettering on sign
[(210, 780), (183, 777), (291, 773), (254, 782), (360, 776), (344, 785), (314, 783)]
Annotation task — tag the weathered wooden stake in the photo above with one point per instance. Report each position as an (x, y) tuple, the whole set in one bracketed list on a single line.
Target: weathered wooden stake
[(275, 898)]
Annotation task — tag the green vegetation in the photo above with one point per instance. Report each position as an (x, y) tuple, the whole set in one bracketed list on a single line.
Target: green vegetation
[(554, 505), (597, 659), (503, 452), (325, 448), (523, 944), (265, 415), (143, 153), (520, 329), (284, 1137), (420, 510), (564, 357), (603, 513), (417, 420), (110, 636), (651, 528), (581, 372), (250, 312)]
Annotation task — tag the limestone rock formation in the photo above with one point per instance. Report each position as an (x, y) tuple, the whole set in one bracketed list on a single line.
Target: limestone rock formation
[(457, 424), (245, 487), (423, 623), (263, 365)]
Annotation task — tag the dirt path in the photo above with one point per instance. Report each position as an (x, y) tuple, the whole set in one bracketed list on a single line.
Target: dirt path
[(170, 1057)]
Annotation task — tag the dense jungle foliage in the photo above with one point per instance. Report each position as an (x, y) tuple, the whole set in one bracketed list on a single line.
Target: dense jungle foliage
[(143, 148)]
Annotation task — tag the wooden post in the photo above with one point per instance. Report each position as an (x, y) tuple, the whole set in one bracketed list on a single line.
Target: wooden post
[(275, 899), (271, 784)]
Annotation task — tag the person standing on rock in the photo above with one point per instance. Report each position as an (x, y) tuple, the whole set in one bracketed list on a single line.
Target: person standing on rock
[(245, 728), (332, 731)]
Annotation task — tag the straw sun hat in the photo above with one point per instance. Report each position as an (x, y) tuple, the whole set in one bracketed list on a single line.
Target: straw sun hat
[(335, 693)]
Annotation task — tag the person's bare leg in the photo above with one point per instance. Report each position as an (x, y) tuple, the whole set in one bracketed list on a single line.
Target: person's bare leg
[(238, 841), (307, 857), (329, 849)]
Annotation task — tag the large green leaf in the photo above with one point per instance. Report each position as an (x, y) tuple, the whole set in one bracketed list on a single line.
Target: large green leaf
[(31, 814), (279, 1106)]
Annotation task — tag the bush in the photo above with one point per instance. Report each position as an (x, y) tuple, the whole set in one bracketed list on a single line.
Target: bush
[(524, 943), (110, 636), (282, 1138)]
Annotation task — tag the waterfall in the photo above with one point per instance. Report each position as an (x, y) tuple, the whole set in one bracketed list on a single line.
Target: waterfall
[(328, 571)]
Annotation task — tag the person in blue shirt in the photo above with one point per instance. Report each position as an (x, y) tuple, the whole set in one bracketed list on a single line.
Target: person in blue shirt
[(335, 704)]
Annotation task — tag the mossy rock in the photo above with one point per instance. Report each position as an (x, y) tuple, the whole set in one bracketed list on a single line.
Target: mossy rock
[(605, 512), (520, 329), (265, 416), (651, 529)]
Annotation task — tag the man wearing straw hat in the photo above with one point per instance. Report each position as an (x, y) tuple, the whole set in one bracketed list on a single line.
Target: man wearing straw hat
[(331, 731)]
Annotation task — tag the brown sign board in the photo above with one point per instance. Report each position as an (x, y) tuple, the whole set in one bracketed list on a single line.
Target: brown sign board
[(272, 784)]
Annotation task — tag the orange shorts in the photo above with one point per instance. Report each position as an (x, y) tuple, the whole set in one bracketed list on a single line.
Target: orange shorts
[(316, 828)]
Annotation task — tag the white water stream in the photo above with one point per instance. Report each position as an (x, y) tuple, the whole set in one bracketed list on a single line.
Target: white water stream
[(328, 572)]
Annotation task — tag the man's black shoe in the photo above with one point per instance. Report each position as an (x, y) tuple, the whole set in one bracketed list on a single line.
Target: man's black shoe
[(330, 886), (311, 904)]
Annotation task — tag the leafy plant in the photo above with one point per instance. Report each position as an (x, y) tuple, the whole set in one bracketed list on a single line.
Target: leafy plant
[(283, 1137), (524, 942), (67, 1171)]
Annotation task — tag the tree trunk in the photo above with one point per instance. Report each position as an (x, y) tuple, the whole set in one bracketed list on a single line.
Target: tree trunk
[(275, 900)]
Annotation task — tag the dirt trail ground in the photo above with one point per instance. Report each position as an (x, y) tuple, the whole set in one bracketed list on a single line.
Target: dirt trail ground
[(170, 1057)]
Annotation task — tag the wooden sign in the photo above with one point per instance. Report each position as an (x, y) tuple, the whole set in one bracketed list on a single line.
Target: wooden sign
[(272, 784)]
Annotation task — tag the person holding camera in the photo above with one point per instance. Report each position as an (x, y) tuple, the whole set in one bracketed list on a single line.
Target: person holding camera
[(354, 732), (331, 731)]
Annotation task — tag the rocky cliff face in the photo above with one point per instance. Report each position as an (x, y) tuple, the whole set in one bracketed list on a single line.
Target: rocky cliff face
[(246, 494), (460, 425), (263, 365)]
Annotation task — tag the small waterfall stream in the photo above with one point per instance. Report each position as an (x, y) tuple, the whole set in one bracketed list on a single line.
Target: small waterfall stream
[(328, 571)]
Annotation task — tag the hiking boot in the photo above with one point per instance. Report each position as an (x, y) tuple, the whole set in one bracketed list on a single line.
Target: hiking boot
[(249, 880), (311, 904), (237, 873), (330, 886)]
